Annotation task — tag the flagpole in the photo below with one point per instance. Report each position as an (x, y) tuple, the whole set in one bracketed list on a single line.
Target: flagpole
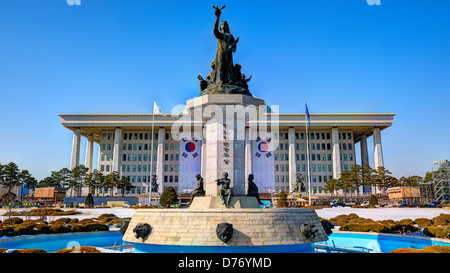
[(308, 177), (152, 155)]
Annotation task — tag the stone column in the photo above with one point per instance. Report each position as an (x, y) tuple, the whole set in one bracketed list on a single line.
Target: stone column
[(117, 150), (160, 159), (378, 151), (364, 151), (75, 159), (212, 157), (292, 165), (89, 153), (203, 158), (248, 153), (336, 157)]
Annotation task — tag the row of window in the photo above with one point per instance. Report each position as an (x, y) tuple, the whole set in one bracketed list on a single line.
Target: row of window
[(147, 136), (282, 136), (314, 178)]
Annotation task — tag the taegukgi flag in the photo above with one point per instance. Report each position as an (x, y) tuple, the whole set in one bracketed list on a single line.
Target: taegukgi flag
[(190, 163), (263, 162)]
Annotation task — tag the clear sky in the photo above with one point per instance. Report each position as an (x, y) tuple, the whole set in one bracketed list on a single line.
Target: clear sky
[(115, 56)]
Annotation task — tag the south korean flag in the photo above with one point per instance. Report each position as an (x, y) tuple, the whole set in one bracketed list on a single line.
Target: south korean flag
[(190, 163), (263, 162)]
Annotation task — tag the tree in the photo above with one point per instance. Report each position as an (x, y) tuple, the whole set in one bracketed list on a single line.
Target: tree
[(169, 196), (282, 199), (98, 179), (383, 179), (76, 179), (331, 185), (111, 181), (124, 184), (11, 176), (413, 180), (89, 201)]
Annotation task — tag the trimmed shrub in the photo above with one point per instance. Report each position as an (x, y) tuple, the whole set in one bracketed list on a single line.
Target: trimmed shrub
[(26, 250), (386, 222), (12, 221), (441, 220), (398, 228), (373, 227), (423, 222), (82, 249), (59, 228), (360, 221), (438, 232), (428, 249), (405, 222), (89, 227), (373, 201)]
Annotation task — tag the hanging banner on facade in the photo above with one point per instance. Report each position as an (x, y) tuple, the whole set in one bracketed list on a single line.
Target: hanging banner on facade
[(190, 163), (263, 162)]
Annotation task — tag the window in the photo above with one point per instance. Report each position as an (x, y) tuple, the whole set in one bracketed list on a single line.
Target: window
[(140, 147), (329, 157), (282, 168), (140, 157), (318, 157), (130, 146), (276, 168), (302, 136), (124, 157), (330, 168), (107, 168), (134, 168), (104, 136), (302, 146), (134, 157), (103, 147), (302, 156), (135, 147), (350, 157), (277, 178), (139, 168), (124, 147), (350, 146), (345, 157), (313, 168), (108, 157), (141, 136), (102, 168)]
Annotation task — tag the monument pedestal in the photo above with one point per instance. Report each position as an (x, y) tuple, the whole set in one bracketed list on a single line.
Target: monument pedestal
[(215, 202)]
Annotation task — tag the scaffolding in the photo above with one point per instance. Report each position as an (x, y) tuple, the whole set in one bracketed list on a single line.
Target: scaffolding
[(441, 179)]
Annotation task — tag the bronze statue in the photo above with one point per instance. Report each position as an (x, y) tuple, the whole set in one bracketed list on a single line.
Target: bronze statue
[(225, 191), (253, 189), (155, 186), (225, 77), (199, 191), (299, 185)]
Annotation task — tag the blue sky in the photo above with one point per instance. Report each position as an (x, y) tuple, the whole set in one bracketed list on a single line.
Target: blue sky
[(115, 56)]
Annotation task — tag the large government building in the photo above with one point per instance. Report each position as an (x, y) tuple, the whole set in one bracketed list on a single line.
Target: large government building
[(125, 146)]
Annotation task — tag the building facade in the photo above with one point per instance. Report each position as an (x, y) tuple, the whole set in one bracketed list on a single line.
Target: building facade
[(127, 146)]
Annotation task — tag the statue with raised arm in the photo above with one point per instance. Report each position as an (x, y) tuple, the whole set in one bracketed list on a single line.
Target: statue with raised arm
[(223, 79)]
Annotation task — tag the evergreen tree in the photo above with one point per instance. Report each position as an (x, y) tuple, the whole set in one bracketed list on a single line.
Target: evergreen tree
[(168, 197), (282, 199)]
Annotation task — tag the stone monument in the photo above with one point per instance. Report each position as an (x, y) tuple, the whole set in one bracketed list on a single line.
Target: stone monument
[(225, 219)]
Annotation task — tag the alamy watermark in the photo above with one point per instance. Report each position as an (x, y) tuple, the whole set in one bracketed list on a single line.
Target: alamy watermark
[(73, 2)]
